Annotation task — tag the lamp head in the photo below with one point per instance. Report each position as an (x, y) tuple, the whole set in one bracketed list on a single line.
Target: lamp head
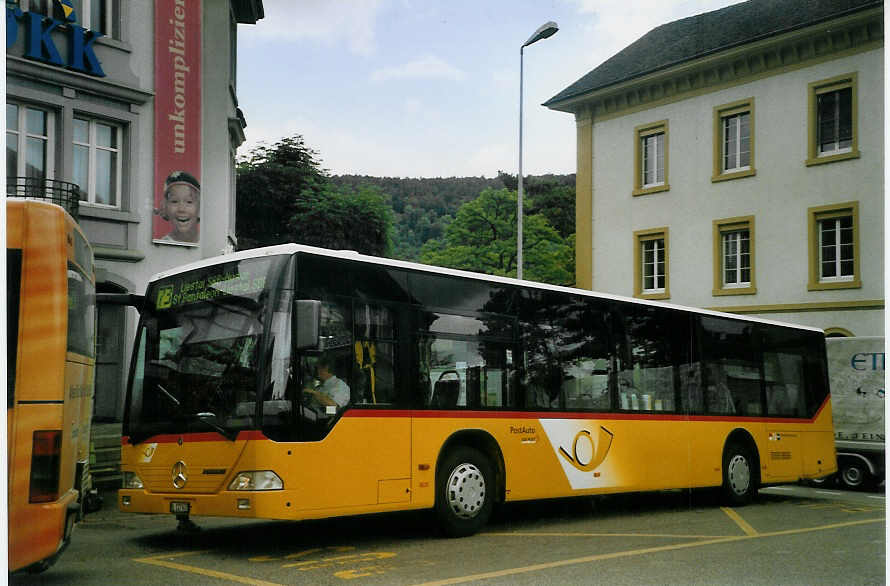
[(548, 29)]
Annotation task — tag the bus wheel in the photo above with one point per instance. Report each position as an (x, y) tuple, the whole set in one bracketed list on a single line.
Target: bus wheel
[(464, 492), (739, 474)]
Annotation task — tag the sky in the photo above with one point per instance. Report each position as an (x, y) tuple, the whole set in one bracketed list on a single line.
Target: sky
[(430, 88)]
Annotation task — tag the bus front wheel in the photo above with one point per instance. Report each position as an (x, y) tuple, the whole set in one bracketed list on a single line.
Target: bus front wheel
[(464, 492), (739, 474)]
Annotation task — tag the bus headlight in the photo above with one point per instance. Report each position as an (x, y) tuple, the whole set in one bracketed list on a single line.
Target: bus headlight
[(256, 480), (132, 480)]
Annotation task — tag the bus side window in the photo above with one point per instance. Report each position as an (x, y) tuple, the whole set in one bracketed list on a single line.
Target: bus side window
[(784, 379), (374, 355), (446, 370), (646, 379), (464, 373), (731, 375)]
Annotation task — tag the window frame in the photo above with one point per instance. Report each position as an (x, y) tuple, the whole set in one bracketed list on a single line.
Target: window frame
[(84, 15), (721, 114), (720, 229), (814, 90), (108, 25), (640, 238), (815, 215), (92, 148), (49, 139), (641, 133)]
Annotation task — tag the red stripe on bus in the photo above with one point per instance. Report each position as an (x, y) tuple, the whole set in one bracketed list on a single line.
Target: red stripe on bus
[(439, 414), (172, 438), (471, 414)]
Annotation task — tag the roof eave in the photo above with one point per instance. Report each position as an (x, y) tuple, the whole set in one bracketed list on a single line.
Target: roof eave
[(568, 103)]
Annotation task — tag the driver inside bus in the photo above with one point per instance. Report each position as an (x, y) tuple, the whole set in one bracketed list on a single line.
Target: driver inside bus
[(331, 391)]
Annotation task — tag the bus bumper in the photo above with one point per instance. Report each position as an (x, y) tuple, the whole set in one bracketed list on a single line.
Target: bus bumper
[(247, 504), (68, 513)]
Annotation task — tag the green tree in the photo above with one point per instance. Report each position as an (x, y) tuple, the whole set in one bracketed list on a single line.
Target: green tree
[(482, 238), (270, 183), (555, 202), (342, 218), (283, 195), (550, 195)]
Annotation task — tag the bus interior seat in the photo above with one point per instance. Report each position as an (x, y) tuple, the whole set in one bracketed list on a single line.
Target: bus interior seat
[(446, 392)]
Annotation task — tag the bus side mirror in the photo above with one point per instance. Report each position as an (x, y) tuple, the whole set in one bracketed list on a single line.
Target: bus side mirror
[(308, 313)]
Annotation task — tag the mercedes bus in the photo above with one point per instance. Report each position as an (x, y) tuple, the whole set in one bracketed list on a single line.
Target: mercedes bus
[(464, 391)]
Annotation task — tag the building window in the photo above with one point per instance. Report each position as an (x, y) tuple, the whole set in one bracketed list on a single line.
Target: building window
[(651, 264), (29, 142), (102, 16), (51, 8), (834, 247), (97, 161), (651, 158), (833, 120), (734, 256), (98, 15), (734, 140)]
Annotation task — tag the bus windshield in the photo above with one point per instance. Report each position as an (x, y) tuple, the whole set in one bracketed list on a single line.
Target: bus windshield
[(205, 349)]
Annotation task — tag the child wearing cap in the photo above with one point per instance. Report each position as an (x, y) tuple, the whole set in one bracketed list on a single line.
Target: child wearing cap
[(181, 207)]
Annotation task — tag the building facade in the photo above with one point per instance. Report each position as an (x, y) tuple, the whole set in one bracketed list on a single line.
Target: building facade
[(85, 86), (734, 161)]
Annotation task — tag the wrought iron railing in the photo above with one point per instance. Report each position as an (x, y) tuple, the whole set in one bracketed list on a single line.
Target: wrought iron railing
[(63, 193)]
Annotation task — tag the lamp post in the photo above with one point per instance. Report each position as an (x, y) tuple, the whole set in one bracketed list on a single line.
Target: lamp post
[(547, 29)]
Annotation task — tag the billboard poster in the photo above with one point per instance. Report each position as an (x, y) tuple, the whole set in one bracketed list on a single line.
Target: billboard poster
[(177, 156)]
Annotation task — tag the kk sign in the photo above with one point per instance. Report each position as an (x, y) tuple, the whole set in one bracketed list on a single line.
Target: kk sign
[(39, 42)]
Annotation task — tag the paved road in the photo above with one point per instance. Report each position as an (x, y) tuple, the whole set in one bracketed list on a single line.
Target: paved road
[(790, 535)]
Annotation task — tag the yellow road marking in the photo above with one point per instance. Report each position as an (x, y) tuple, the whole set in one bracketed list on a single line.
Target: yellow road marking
[(739, 521), (580, 534), (636, 552), (340, 560), (162, 561)]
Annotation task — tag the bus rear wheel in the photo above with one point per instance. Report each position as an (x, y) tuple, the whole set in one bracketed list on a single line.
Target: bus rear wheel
[(739, 474), (464, 492)]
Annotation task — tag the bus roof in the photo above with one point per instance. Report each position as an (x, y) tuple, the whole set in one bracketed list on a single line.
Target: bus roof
[(28, 202), (289, 249)]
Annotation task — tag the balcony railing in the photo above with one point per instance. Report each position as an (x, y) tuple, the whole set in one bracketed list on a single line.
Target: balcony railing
[(62, 193)]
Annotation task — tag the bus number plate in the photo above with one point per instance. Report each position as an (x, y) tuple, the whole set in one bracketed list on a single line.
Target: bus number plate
[(179, 508)]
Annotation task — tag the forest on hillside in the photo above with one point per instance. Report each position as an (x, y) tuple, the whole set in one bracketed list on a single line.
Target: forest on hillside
[(423, 207)]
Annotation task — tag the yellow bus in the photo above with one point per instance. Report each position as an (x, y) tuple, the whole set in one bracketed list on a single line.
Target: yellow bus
[(293, 382), (51, 358)]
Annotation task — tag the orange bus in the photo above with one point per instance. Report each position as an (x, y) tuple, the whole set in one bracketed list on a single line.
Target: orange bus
[(50, 304), (293, 382)]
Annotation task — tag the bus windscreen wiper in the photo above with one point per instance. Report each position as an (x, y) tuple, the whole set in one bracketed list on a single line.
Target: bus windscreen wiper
[(226, 433), (167, 394)]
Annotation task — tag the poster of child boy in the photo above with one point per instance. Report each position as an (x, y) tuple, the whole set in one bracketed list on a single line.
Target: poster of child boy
[(181, 207)]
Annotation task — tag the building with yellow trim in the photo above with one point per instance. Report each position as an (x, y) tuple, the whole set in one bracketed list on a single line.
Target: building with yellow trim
[(734, 160)]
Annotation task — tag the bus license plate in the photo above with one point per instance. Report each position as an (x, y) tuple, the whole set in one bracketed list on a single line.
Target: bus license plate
[(179, 508)]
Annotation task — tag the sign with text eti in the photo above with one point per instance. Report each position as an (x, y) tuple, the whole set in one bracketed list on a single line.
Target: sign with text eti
[(177, 173)]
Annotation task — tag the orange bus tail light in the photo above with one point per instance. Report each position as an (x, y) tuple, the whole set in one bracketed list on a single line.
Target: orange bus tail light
[(46, 458)]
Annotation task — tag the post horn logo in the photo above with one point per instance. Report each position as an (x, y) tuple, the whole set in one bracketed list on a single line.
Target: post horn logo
[(179, 474), (588, 454)]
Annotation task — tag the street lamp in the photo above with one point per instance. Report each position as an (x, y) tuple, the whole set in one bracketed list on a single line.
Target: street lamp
[(547, 29)]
